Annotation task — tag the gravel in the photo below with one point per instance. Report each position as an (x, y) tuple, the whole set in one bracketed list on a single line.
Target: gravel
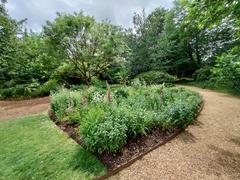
[(208, 149)]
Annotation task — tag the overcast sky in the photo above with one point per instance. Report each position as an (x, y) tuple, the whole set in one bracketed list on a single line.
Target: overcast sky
[(119, 12)]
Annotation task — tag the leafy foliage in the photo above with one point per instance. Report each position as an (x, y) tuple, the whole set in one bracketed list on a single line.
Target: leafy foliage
[(75, 49), (227, 68), (155, 77), (203, 74), (90, 46), (105, 126)]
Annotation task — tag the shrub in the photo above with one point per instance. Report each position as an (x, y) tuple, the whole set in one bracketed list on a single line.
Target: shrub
[(178, 114), (46, 88), (136, 121), (65, 102), (6, 93), (104, 133), (66, 74), (227, 69), (121, 93), (203, 74), (155, 77), (105, 126), (19, 91)]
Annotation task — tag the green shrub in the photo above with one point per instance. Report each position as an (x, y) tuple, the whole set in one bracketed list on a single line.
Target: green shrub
[(20, 91), (136, 121), (227, 69), (67, 75), (65, 102), (178, 114), (105, 126), (203, 74), (155, 77), (46, 88), (98, 83), (7, 93), (121, 93), (103, 133)]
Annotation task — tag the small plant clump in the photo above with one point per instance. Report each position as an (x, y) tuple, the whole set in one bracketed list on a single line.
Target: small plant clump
[(107, 118)]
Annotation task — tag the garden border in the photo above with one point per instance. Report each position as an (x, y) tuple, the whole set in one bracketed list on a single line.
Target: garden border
[(130, 162)]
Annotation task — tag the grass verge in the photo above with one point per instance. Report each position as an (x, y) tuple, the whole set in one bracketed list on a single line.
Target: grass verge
[(207, 85), (34, 148)]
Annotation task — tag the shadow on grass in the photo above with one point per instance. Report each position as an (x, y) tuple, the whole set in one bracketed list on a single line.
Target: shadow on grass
[(86, 162)]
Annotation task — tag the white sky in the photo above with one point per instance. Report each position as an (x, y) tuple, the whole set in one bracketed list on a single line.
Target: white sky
[(119, 12)]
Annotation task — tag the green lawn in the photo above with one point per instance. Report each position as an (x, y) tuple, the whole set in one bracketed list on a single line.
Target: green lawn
[(34, 148)]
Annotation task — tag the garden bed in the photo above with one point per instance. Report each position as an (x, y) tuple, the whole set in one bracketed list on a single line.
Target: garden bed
[(133, 149), (125, 124)]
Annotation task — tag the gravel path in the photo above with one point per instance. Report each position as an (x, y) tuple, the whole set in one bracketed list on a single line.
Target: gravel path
[(13, 109), (208, 149)]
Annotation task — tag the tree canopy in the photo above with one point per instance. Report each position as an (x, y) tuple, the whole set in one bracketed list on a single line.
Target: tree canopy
[(195, 36)]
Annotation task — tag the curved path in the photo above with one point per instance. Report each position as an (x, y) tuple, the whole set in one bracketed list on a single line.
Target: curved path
[(14, 109), (208, 149)]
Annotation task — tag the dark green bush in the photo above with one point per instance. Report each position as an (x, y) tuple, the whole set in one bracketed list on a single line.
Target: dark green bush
[(203, 74), (67, 75), (155, 77), (227, 69), (178, 115), (46, 88), (121, 93), (6, 93), (19, 91)]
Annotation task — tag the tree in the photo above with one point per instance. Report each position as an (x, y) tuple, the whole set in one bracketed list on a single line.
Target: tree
[(209, 27), (9, 41), (90, 46), (144, 38)]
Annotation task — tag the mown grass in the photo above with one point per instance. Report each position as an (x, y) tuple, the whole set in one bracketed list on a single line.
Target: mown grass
[(34, 148)]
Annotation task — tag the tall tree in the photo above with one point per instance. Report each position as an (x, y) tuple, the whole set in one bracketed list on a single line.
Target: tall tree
[(9, 31), (90, 46)]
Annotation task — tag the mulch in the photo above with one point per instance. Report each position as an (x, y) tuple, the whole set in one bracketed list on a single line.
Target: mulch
[(134, 147)]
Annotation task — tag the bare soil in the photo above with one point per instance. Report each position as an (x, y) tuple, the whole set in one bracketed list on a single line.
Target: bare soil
[(13, 109), (208, 149)]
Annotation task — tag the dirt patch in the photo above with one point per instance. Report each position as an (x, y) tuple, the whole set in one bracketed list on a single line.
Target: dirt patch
[(12, 109)]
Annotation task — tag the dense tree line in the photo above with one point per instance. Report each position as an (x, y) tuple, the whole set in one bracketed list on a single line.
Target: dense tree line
[(198, 39)]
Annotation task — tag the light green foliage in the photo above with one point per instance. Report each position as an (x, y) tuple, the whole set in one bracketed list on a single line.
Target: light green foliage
[(90, 46), (103, 132), (227, 69), (155, 77), (65, 102), (105, 126), (34, 148)]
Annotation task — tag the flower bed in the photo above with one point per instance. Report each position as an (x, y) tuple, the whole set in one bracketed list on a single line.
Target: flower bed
[(123, 122)]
